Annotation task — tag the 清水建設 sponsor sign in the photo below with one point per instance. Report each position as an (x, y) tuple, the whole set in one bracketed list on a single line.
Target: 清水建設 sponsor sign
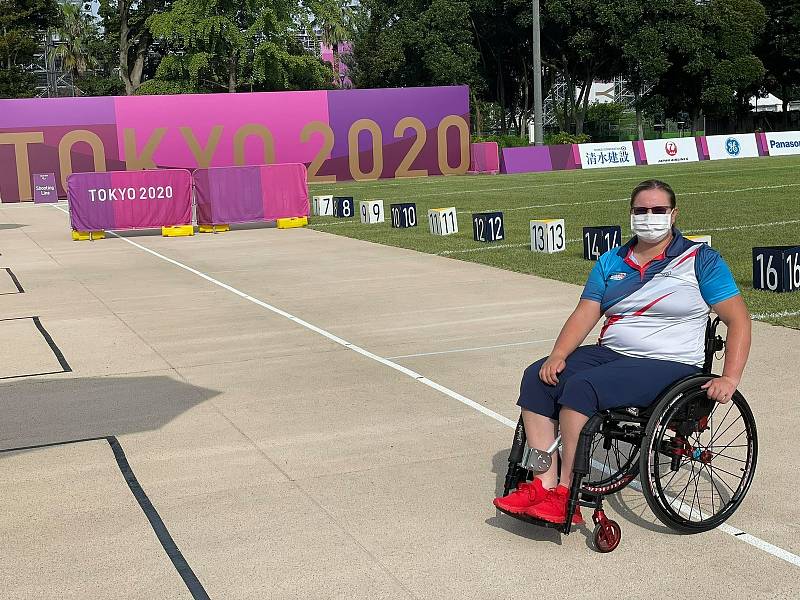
[(607, 154)]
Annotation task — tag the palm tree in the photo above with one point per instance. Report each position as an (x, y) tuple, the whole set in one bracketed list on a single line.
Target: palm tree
[(74, 33), (334, 20)]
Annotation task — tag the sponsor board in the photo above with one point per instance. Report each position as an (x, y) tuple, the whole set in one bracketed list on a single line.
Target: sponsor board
[(783, 143), (677, 150), (738, 145), (607, 154), (338, 134)]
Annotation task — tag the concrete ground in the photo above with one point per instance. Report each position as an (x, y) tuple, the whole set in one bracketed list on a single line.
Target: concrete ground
[(286, 465)]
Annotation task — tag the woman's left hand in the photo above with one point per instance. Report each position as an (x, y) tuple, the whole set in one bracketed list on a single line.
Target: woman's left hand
[(721, 389)]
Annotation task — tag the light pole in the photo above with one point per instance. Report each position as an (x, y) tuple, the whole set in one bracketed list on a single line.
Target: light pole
[(538, 125)]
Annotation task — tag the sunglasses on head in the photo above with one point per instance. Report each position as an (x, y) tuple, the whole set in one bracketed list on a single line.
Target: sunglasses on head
[(656, 210)]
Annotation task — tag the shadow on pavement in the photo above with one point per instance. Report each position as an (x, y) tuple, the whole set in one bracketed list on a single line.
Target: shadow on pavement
[(59, 410)]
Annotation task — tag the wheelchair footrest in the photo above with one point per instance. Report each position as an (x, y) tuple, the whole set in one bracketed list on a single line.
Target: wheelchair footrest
[(533, 520)]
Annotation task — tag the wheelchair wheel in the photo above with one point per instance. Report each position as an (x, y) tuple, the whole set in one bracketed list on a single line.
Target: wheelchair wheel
[(607, 536), (613, 462), (698, 457)]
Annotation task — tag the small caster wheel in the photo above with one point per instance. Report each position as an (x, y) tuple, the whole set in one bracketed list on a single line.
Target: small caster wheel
[(607, 537)]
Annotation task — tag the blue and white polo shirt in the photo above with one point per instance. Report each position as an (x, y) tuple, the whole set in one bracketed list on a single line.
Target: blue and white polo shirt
[(659, 310)]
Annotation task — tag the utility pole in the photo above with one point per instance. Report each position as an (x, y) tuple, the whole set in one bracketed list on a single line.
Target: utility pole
[(538, 126)]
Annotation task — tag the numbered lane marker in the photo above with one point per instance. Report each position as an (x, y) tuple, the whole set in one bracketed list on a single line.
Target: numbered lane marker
[(703, 239), (371, 211), (548, 235), (488, 227), (403, 215), (777, 268), (344, 207), (322, 206), (443, 221), (599, 240)]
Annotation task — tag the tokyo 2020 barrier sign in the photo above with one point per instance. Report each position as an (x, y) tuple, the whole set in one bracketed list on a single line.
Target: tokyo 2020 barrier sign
[(338, 135), (130, 200), (251, 193)]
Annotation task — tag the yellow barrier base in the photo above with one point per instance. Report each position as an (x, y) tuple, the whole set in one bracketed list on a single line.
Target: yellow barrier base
[(80, 236), (213, 228), (292, 222), (177, 230)]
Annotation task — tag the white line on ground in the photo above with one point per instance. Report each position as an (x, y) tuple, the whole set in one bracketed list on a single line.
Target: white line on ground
[(752, 540), (481, 249), (473, 349), (627, 199), (323, 224), (737, 227)]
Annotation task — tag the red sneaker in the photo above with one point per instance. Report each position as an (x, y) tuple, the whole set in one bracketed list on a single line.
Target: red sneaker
[(554, 507), (525, 496)]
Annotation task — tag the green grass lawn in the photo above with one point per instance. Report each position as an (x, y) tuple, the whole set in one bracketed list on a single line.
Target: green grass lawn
[(740, 203)]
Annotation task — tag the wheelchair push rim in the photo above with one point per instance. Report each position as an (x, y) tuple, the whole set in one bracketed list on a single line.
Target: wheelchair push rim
[(699, 459)]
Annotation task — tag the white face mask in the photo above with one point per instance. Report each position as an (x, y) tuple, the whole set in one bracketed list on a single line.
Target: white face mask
[(651, 228)]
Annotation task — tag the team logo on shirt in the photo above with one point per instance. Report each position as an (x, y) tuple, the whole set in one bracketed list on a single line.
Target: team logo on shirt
[(618, 276)]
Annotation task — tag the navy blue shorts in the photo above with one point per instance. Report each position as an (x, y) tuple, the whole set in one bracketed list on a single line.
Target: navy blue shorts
[(596, 378)]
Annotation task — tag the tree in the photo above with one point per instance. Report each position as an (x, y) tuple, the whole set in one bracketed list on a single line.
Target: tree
[(126, 21), (217, 45), (779, 48), (75, 34), (502, 36), (414, 43), (712, 64), (583, 42), (334, 20), (22, 28)]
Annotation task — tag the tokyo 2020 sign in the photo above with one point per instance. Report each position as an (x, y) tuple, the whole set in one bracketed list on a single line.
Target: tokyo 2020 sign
[(339, 135)]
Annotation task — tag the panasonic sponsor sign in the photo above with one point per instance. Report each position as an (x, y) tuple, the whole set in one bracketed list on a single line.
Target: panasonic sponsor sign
[(783, 143), (670, 151)]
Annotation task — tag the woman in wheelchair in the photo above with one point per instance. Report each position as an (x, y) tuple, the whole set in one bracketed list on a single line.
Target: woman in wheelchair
[(656, 293)]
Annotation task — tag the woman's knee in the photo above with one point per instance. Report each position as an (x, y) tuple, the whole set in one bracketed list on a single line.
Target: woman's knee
[(535, 395), (580, 395)]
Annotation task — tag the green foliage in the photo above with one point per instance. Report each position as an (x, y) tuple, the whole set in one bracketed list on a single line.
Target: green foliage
[(711, 57), (16, 83), (779, 48), (76, 32), (502, 36), (562, 137), (218, 45), (22, 23), (503, 141), (334, 19), (414, 42)]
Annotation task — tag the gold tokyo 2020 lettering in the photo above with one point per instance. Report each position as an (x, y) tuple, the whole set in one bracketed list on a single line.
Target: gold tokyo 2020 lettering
[(138, 151)]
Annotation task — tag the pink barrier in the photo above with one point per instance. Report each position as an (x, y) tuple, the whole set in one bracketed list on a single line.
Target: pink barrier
[(253, 193), (129, 199), (484, 157)]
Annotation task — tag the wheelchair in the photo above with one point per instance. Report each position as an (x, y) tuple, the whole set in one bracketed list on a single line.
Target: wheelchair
[(695, 458)]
